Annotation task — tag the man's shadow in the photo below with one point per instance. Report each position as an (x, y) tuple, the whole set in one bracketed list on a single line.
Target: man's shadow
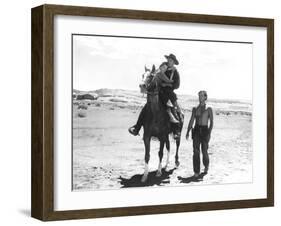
[(187, 180), (135, 181)]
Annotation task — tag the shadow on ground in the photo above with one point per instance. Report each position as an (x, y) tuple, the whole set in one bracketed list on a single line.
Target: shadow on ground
[(135, 181), (192, 179)]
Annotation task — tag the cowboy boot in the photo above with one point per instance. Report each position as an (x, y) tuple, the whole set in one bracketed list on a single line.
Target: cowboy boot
[(175, 113), (133, 130), (179, 110), (172, 117)]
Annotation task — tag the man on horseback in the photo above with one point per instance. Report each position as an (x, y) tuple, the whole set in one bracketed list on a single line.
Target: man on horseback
[(167, 97), (166, 93)]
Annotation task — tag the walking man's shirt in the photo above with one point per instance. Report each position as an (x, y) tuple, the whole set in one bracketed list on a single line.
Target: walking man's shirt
[(201, 132)]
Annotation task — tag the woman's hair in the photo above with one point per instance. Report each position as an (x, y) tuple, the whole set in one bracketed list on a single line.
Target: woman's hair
[(164, 63)]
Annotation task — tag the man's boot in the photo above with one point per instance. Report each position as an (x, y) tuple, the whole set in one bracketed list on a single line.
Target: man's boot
[(134, 130), (179, 110), (175, 113), (172, 117)]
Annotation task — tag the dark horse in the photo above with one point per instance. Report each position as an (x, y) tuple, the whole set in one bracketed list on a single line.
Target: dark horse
[(157, 124)]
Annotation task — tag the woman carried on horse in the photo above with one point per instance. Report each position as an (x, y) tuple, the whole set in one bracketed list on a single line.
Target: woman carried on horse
[(169, 83)]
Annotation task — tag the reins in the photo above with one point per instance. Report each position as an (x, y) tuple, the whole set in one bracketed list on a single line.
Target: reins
[(152, 93)]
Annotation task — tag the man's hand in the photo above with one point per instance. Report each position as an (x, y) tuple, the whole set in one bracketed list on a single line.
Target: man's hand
[(187, 136)]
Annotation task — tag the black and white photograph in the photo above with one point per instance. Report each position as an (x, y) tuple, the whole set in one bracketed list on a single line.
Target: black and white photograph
[(153, 112)]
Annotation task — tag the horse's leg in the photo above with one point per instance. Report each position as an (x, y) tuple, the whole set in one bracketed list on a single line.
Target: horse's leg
[(146, 158), (177, 162), (160, 154), (168, 152)]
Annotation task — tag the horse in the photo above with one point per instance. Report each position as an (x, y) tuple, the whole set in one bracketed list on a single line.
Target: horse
[(157, 124)]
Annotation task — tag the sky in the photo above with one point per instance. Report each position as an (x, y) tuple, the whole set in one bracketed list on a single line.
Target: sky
[(223, 69)]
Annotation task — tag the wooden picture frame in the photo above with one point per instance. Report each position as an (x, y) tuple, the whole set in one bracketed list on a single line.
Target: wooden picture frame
[(42, 203)]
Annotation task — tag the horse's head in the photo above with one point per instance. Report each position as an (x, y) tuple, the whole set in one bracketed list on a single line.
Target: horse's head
[(148, 83), (150, 87)]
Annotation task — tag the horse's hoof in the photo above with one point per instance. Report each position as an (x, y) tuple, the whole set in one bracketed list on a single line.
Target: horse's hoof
[(158, 174), (177, 164), (144, 178)]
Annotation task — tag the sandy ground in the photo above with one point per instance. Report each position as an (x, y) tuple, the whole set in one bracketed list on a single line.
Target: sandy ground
[(106, 156)]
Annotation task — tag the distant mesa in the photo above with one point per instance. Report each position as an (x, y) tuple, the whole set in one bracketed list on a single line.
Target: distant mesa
[(133, 99), (78, 95), (86, 96)]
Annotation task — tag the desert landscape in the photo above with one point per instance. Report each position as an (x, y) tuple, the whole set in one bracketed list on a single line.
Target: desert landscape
[(106, 156)]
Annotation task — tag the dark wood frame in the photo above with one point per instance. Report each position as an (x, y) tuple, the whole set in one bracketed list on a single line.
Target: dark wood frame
[(42, 203)]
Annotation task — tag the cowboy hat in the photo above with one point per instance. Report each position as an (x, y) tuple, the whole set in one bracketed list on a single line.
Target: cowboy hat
[(173, 57)]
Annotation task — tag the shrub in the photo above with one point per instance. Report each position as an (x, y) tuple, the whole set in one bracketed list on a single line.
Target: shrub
[(82, 106), (82, 114)]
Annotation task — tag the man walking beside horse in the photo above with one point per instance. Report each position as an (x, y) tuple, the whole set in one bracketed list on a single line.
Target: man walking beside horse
[(201, 132)]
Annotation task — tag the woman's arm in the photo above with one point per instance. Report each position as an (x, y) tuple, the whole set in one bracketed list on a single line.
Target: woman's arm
[(164, 78)]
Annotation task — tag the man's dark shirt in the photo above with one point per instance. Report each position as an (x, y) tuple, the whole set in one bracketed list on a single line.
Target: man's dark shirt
[(167, 92), (176, 78)]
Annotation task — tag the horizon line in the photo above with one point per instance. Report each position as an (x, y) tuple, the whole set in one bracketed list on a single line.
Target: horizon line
[(179, 94)]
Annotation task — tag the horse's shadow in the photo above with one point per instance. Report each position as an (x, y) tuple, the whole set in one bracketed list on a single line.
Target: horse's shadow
[(135, 181), (188, 180)]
